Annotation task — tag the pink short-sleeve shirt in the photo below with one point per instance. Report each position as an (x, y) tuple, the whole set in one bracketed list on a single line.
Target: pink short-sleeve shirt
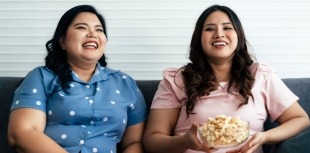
[(271, 98)]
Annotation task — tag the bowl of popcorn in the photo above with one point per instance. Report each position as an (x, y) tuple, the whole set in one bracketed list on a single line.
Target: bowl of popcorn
[(224, 131)]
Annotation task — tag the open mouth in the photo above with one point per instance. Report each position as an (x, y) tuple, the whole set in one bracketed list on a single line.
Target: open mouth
[(90, 45), (221, 43)]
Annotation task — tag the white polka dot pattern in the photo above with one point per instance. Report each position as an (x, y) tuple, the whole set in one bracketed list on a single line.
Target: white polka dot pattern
[(105, 119), (84, 111), (117, 91), (63, 136), (132, 106), (38, 103), (72, 113)]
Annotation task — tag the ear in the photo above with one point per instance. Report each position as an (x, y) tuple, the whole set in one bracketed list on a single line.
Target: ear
[(62, 44)]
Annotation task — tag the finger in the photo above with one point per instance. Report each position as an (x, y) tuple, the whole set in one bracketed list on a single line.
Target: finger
[(252, 141), (234, 150), (251, 149), (194, 126), (212, 150)]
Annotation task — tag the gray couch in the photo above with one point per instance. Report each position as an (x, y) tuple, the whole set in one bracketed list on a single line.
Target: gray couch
[(298, 144)]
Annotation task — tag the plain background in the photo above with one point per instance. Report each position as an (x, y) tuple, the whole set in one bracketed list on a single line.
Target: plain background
[(147, 36)]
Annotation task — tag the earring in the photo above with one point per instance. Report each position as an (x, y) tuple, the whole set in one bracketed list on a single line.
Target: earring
[(63, 46)]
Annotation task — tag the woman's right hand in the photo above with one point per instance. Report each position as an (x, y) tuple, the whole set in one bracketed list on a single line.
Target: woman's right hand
[(192, 142)]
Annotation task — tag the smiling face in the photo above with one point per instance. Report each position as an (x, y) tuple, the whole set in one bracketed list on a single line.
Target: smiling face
[(85, 40), (219, 39)]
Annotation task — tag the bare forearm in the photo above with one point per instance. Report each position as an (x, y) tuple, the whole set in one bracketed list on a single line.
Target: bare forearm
[(158, 143), (286, 130), (134, 148), (35, 142)]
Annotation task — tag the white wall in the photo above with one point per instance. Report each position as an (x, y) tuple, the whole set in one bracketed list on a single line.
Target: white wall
[(146, 36)]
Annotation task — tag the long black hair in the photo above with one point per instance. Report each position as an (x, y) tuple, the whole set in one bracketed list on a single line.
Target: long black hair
[(199, 78)]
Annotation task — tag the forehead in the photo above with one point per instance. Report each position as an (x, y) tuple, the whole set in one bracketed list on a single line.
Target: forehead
[(86, 17), (217, 17)]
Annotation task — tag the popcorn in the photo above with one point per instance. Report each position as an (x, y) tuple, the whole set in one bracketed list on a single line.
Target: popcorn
[(224, 130)]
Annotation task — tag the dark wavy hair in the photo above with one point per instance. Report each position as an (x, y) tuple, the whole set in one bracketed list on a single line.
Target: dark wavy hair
[(56, 58), (199, 78)]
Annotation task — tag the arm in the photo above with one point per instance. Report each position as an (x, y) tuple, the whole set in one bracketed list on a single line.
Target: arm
[(159, 128), (26, 127), (158, 134), (132, 139), (292, 122)]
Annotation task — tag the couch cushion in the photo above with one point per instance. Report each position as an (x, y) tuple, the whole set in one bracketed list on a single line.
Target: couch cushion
[(148, 89), (7, 87)]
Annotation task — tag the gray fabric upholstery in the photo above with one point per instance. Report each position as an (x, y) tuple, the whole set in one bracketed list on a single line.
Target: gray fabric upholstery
[(298, 144)]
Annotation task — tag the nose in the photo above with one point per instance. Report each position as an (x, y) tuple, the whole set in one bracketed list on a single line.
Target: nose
[(91, 34), (219, 33)]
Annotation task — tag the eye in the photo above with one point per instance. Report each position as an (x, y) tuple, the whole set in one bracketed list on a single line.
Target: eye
[(228, 28), (80, 28), (209, 29), (100, 30)]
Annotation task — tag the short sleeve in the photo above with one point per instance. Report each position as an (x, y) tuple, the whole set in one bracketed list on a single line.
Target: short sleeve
[(170, 92), (31, 92), (278, 96), (137, 111)]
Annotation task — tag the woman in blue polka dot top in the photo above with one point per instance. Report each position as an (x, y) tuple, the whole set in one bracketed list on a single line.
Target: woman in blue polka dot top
[(75, 103)]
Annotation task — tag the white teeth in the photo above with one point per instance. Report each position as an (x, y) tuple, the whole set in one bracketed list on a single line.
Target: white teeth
[(90, 44), (219, 44)]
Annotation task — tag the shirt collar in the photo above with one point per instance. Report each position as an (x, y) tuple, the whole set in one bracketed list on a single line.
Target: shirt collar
[(101, 73)]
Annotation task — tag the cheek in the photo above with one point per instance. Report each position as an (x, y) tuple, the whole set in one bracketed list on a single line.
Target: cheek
[(103, 39), (72, 39), (205, 41), (235, 42)]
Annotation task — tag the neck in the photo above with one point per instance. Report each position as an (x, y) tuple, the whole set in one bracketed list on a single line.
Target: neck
[(222, 72), (84, 72)]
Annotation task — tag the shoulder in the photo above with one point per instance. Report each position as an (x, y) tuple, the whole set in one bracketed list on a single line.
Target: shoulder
[(264, 72), (262, 69), (40, 78), (118, 75), (40, 72), (174, 76)]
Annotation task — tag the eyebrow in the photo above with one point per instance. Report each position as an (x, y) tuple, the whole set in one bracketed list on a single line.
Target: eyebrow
[(77, 24), (211, 24)]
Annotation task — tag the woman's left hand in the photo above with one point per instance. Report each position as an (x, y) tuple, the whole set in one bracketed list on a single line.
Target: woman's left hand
[(252, 144)]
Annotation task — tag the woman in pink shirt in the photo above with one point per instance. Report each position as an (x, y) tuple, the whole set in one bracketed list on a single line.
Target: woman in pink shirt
[(221, 78)]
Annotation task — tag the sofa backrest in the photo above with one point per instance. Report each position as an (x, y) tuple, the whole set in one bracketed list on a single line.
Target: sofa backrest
[(7, 87), (300, 86)]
